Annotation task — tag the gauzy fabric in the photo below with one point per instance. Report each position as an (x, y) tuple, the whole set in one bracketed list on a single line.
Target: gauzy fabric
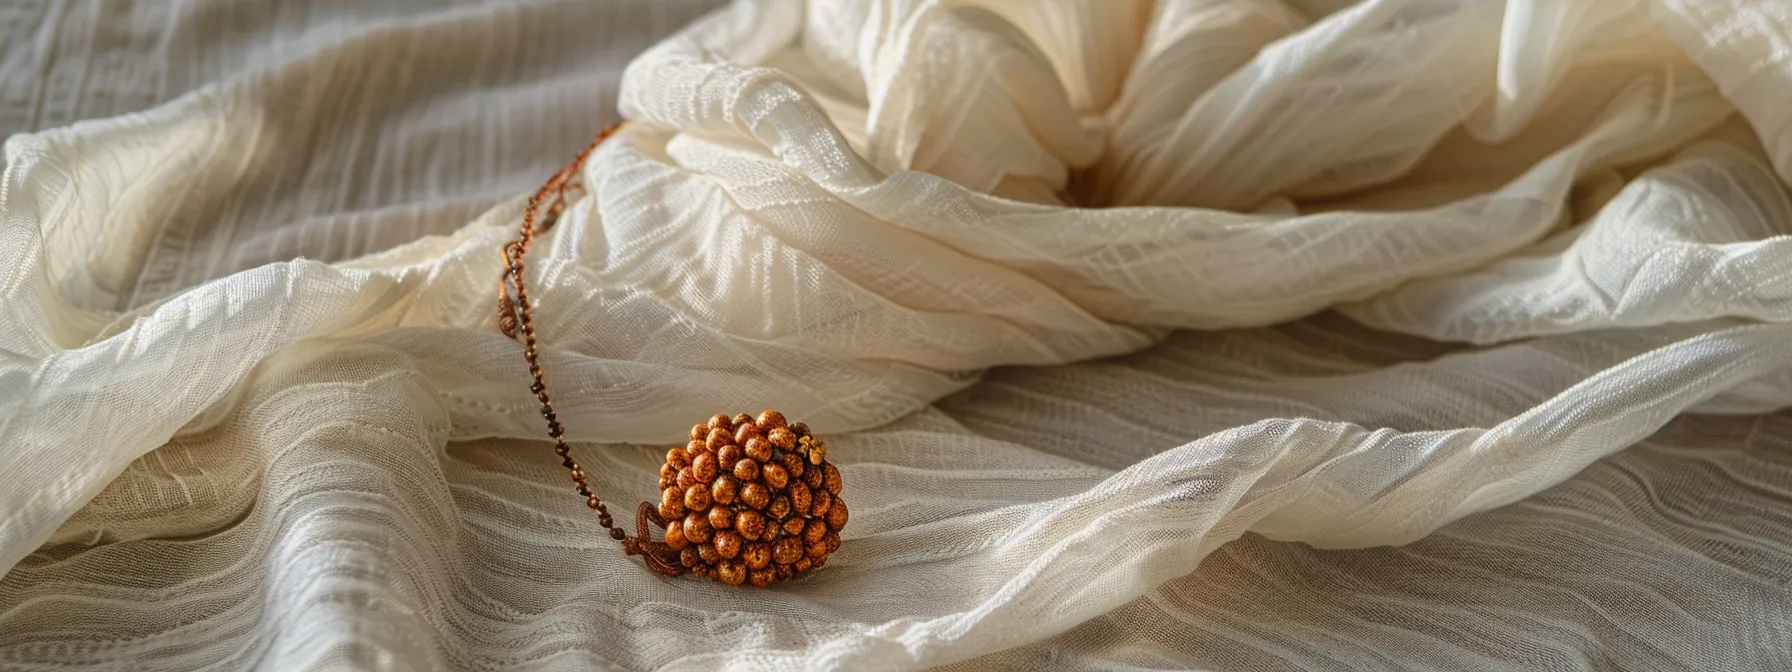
[(1241, 334)]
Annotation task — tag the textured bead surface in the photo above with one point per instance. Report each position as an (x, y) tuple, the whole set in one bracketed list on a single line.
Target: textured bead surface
[(774, 476), (703, 468), (671, 503), (696, 498), (756, 495), (758, 449), (749, 500), (781, 438), (831, 478), (728, 456), (744, 432), (757, 555), (696, 528), (746, 470), (752, 524), (837, 515), (771, 419), (799, 499), (728, 543), (787, 550), (724, 490), (732, 573), (721, 517)]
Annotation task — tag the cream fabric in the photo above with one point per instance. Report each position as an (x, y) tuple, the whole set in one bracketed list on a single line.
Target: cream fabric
[(255, 413)]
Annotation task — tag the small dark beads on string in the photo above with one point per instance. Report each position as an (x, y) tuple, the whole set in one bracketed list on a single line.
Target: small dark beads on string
[(740, 502)]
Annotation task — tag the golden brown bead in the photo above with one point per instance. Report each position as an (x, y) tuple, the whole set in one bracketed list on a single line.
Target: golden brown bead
[(697, 499), (745, 500), (721, 517), (728, 543), (837, 514), (757, 555), (745, 433), (696, 528), (770, 419), (578, 475), (704, 469), (724, 490), (746, 470), (728, 456), (799, 499), (756, 495), (594, 503), (750, 523), (774, 476), (787, 550), (830, 478), (732, 573), (781, 437), (671, 503), (718, 438), (758, 449)]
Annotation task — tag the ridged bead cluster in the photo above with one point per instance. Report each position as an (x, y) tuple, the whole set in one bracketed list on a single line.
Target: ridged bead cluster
[(751, 500)]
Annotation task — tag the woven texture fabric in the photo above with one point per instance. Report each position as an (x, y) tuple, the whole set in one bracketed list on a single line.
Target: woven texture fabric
[(1241, 334)]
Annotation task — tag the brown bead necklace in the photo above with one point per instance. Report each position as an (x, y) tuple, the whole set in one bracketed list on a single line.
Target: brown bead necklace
[(746, 500)]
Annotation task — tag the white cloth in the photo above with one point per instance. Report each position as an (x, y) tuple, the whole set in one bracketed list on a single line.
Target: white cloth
[(255, 413)]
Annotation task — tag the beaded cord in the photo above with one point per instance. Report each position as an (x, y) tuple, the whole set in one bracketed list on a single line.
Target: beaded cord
[(747, 500), (516, 316)]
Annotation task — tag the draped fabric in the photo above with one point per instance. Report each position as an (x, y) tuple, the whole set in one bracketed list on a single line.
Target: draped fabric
[(1241, 334)]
